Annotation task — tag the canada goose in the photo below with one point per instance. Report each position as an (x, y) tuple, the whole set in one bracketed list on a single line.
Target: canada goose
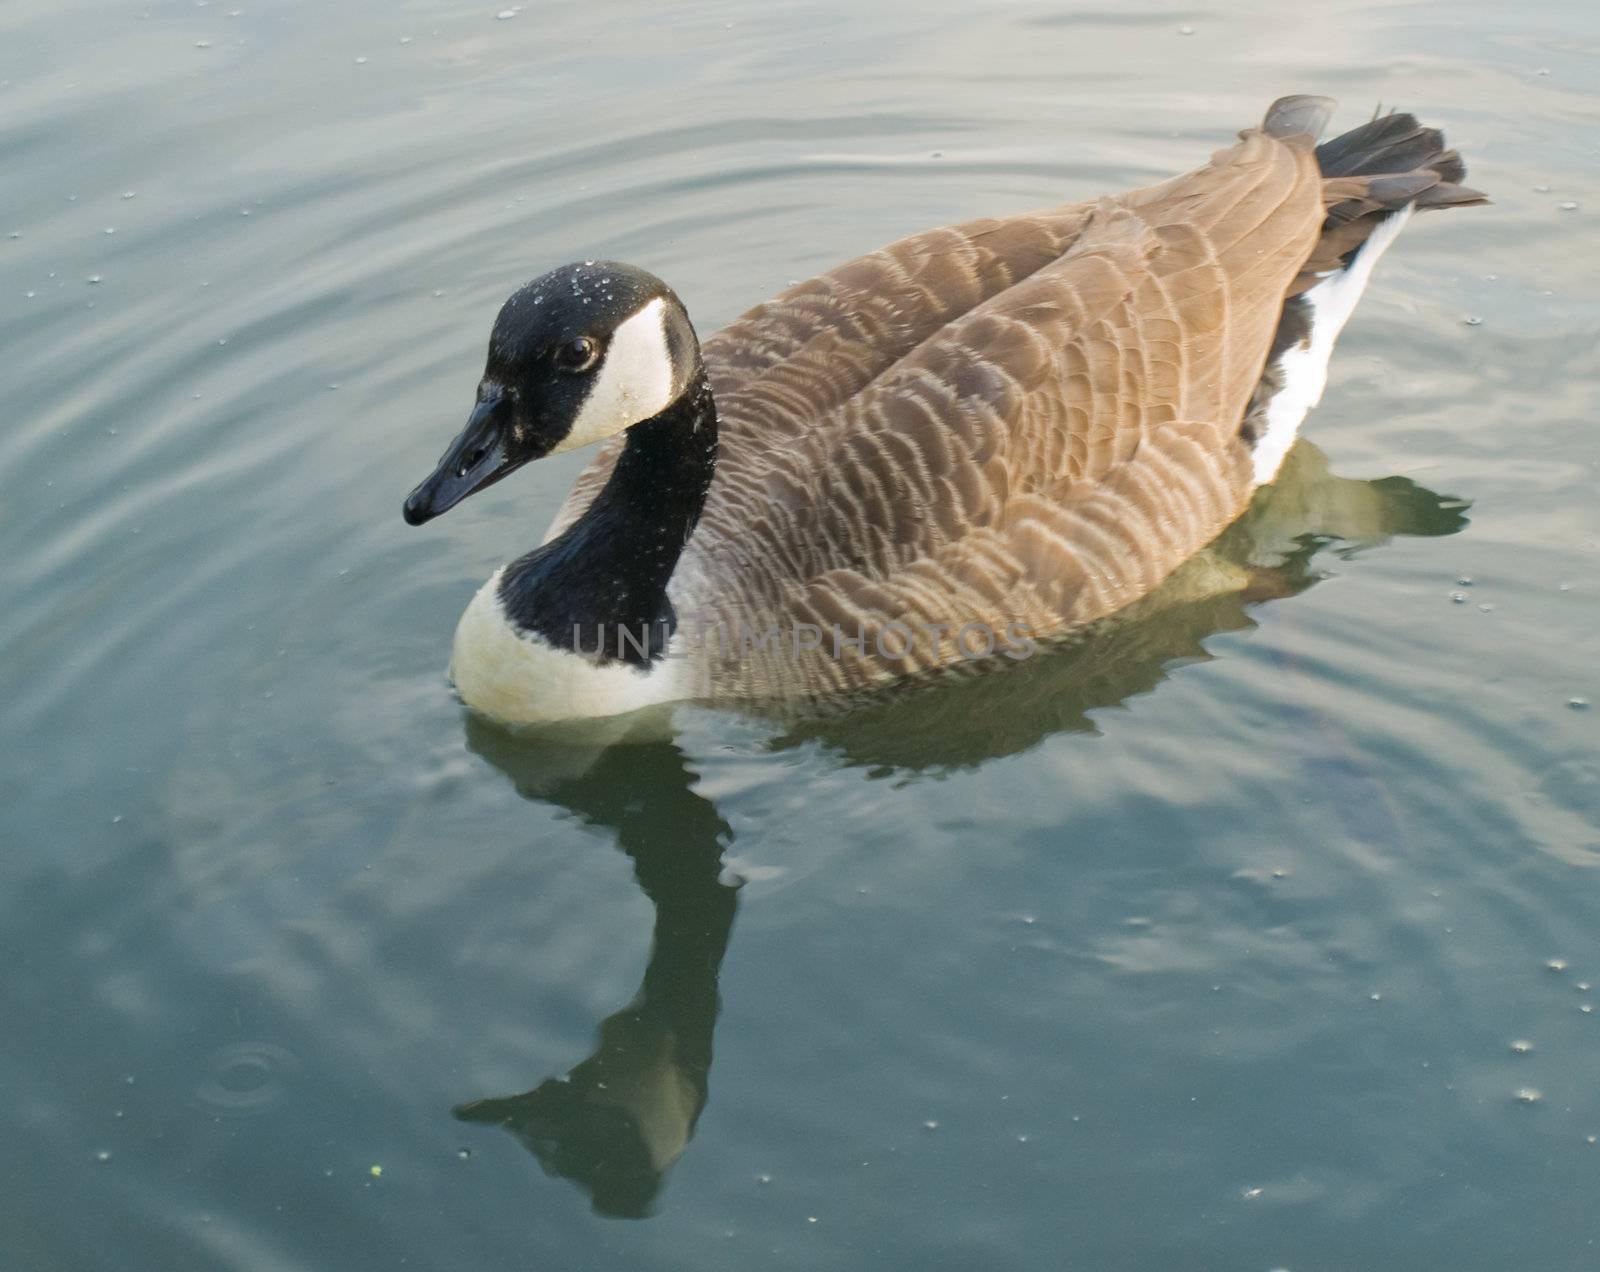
[(966, 443)]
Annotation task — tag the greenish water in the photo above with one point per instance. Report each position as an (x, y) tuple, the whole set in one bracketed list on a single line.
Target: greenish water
[(1203, 946)]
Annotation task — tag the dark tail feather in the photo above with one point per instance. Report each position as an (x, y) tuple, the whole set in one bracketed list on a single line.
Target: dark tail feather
[(1389, 143), (1404, 163), (1371, 172)]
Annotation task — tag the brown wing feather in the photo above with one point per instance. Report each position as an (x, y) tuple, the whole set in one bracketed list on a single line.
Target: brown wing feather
[(1031, 420)]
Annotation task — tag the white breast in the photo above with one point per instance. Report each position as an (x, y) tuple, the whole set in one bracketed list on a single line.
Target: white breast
[(517, 678)]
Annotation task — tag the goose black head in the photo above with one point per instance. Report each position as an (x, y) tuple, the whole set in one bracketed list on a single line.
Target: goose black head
[(579, 354)]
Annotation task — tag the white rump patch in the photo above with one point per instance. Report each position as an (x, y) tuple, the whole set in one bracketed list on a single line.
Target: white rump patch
[(1305, 367), (517, 678), (634, 381)]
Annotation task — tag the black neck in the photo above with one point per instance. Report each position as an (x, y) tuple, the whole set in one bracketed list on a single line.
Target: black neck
[(600, 588)]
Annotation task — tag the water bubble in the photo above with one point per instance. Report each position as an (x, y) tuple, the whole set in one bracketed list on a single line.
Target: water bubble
[(247, 1075), (1529, 1095)]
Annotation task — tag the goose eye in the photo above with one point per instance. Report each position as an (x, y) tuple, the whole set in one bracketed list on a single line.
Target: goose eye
[(578, 355)]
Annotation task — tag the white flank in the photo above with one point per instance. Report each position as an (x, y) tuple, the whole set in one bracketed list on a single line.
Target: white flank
[(520, 679), (1305, 367), (635, 380)]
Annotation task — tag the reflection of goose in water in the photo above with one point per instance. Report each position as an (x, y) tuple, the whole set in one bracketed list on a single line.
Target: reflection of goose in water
[(620, 1118)]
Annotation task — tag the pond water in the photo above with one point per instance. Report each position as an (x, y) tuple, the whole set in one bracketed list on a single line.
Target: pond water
[(1258, 936)]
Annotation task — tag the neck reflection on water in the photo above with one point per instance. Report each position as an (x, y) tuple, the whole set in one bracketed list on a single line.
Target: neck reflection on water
[(618, 1120)]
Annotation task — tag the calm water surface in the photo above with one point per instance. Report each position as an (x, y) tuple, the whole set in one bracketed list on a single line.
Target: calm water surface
[(1228, 943)]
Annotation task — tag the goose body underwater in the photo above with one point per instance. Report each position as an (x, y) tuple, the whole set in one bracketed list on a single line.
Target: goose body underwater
[(971, 442)]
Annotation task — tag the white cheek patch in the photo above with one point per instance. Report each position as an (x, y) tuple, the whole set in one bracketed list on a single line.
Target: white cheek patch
[(635, 380)]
